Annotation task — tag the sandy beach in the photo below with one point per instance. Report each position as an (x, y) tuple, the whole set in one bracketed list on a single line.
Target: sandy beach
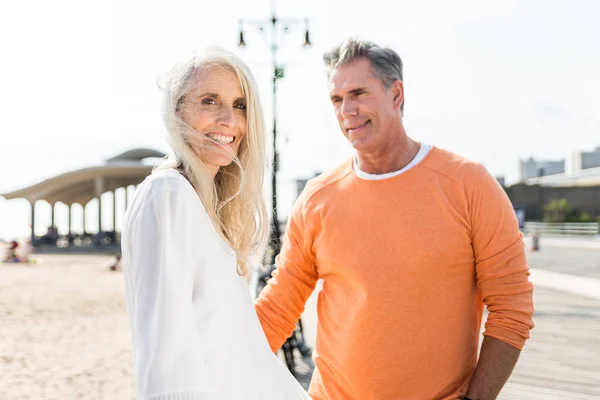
[(64, 331)]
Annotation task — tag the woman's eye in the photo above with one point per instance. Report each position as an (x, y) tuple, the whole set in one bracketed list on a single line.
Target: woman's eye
[(209, 101), (241, 106)]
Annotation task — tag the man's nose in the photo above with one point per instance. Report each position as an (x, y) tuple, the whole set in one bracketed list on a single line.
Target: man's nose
[(348, 108)]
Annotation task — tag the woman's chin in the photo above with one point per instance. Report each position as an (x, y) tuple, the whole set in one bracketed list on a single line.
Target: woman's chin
[(220, 161)]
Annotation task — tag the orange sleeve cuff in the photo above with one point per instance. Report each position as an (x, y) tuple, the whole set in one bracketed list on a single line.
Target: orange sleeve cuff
[(507, 336)]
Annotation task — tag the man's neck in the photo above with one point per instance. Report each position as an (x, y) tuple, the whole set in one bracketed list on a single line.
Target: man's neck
[(393, 157)]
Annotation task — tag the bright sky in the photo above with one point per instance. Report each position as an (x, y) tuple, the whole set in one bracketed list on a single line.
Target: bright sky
[(494, 81)]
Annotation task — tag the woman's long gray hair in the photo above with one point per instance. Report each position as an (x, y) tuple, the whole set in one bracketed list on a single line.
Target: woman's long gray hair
[(234, 199)]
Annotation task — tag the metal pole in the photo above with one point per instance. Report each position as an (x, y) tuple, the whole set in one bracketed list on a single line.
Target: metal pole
[(541, 188), (275, 231)]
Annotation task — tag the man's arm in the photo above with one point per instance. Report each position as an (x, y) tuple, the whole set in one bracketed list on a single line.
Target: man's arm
[(282, 301), (496, 362), (503, 281)]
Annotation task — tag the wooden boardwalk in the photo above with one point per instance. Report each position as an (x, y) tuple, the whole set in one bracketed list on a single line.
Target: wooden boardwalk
[(562, 358)]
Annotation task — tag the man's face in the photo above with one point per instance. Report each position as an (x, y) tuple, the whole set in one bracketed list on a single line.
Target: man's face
[(365, 110)]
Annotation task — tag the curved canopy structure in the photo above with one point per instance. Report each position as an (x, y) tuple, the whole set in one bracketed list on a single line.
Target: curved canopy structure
[(82, 185), (136, 155)]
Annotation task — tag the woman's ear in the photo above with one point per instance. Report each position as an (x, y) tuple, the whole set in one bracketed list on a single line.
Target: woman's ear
[(178, 105)]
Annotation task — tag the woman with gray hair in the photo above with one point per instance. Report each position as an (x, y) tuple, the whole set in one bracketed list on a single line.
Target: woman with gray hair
[(187, 239)]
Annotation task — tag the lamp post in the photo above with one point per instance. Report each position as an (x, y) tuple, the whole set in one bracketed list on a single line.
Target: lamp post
[(540, 176), (276, 27)]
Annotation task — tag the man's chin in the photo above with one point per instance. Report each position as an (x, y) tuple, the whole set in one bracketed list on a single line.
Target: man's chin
[(360, 144)]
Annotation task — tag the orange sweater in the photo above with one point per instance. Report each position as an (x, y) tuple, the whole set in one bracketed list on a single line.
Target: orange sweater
[(408, 263)]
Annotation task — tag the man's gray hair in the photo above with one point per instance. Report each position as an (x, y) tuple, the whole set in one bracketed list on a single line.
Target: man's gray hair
[(385, 62)]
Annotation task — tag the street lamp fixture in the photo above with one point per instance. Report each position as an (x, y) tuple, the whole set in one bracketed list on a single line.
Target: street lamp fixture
[(307, 41), (277, 27)]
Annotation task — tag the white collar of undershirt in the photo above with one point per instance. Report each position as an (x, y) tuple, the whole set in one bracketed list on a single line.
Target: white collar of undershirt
[(423, 151)]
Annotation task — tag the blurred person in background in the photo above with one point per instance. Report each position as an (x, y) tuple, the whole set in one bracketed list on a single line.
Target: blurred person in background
[(11, 255)]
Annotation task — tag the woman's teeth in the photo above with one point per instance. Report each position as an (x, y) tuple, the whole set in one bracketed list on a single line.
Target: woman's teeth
[(221, 138)]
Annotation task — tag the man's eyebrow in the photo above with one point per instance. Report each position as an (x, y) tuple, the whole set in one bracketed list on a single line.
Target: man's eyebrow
[(358, 90), (352, 92)]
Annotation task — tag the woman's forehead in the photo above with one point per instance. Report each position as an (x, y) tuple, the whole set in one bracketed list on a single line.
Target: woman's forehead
[(219, 80)]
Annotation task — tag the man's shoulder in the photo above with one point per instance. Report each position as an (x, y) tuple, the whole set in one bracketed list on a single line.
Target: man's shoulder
[(326, 181), (453, 166)]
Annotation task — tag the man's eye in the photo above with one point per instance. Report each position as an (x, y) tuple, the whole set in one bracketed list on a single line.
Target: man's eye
[(209, 101)]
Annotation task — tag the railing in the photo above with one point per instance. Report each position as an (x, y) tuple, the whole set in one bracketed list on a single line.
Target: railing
[(563, 229)]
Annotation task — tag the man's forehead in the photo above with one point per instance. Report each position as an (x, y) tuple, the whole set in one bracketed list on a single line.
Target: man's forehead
[(350, 76)]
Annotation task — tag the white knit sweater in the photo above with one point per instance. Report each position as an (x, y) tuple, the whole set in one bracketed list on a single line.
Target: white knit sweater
[(195, 333)]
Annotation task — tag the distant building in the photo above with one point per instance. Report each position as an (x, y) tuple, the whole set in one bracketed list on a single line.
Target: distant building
[(585, 159), (583, 170), (533, 168)]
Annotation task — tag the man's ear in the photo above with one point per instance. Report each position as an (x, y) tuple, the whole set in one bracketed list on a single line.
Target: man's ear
[(398, 92)]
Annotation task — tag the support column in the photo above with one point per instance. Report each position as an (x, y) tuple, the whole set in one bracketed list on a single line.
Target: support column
[(53, 215), (70, 230), (32, 202), (99, 190), (70, 218), (115, 211), (83, 218), (126, 198)]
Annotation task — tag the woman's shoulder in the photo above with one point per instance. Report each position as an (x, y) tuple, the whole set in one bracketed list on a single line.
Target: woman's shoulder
[(166, 189), (169, 180), (165, 184)]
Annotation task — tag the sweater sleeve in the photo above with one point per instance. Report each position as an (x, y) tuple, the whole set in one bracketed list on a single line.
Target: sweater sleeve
[(500, 261), (282, 302), (166, 241)]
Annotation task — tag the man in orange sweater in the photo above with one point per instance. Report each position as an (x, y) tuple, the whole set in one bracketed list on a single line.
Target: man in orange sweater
[(411, 242)]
